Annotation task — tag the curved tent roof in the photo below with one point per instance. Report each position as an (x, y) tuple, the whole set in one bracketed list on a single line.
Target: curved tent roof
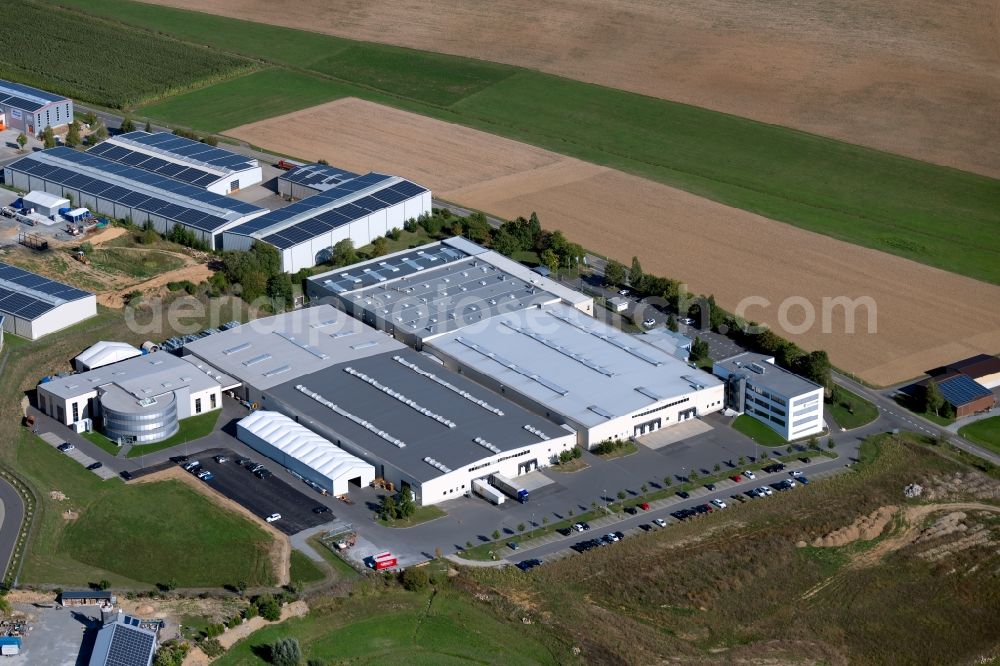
[(104, 353), (307, 447)]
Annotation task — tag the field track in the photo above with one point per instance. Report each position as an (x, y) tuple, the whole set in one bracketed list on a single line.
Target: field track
[(925, 316), (919, 78)]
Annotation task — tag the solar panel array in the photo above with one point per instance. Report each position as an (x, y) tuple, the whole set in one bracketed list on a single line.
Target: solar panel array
[(961, 390), (317, 176), (135, 188), (25, 97), (320, 213), (129, 646), (188, 149), (29, 296), (187, 174)]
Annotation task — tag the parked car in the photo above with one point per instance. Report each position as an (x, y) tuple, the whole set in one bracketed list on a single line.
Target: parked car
[(789, 483), (660, 522), (613, 538), (242, 461), (321, 509), (803, 480), (649, 323), (255, 467), (624, 292), (528, 565), (687, 321), (644, 506), (513, 545), (765, 490), (263, 473), (683, 494), (565, 531), (631, 510), (190, 465), (620, 535), (66, 446), (750, 475), (203, 473), (274, 517), (645, 527), (95, 465), (806, 459), (736, 477), (719, 503), (795, 473), (221, 459), (710, 486), (180, 459), (206, 476)]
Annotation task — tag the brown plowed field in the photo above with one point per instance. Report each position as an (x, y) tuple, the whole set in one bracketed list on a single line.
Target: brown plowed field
[(925, 316), (916, 77)]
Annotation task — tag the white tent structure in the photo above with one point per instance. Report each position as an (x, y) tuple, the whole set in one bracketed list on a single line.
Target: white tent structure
[(104, 353), (303, 451)]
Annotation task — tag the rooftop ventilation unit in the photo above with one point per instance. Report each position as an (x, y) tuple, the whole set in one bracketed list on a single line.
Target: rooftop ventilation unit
[(451, 387), (486, 445), (439, 465), (536, 432), (758, 368), (400, 397)]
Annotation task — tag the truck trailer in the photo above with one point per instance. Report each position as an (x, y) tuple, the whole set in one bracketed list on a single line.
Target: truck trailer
[(487, 492), (511, 488)]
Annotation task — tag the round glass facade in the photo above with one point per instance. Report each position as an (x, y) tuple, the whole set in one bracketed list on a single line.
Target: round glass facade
[(153, 424)]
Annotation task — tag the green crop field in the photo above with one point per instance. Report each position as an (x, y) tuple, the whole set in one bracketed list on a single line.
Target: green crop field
[(96, 61), (985, 433), (931, 214), (412, 628)]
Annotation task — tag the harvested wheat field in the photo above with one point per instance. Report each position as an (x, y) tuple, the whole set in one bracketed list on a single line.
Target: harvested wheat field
[(919, 78), (925, 316)]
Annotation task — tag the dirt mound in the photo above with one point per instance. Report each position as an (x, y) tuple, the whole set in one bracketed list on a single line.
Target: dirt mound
[(57, 496), (919, 77), (145, 610), (70, 515), (864, 528), (675, 234), (967, 484)]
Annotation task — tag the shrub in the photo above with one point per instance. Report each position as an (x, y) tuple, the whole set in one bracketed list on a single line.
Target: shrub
[(414, 579), (211, 647), (268, 607), (213, 630), (286, 652)]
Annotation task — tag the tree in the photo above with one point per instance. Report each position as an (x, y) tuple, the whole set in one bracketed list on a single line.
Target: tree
[(672, 323), (644, 488), (380, 246), (478, 228), (48, 137), (407, 507), (104, 584), (622, 495), (99, 133), (343, 253), (388, 510), (816, 367), (667, 481), (90, 118), (814, 443), (73, 135), (286, 652), (693, 475), (635, 274), (550, 260), (545, 520), (521, 527), (495, 535), (148, 127), (22, 140), (933, 398), (505, 243), (127, 125), (614, 274), (699, 350), (717, 467), (414, 579), (268, 607), (830, 444)]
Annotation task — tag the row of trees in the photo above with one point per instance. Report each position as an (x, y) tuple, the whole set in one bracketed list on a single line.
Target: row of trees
[(258, 272)]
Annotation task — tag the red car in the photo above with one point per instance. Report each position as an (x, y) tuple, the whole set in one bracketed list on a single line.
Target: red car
[(736, 477), (644, 506)]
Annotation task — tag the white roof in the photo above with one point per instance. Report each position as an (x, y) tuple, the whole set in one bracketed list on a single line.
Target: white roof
[(304, 445), (44, 199), (105, 353), (78, 211)]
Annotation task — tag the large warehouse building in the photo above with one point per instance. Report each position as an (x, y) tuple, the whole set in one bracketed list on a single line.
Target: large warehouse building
[(577, 370), (416, 295), (139, 400), (31, 110), (32, 306), (787, 403), (414, 421), (123, 191), (199, 164), (309, 179), (361, 209)]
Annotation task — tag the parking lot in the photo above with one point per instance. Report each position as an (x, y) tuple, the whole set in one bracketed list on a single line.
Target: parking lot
[(76, 454), (263, 497), (58, 636)]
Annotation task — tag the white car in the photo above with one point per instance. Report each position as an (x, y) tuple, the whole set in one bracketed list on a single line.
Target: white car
[(611, 537), (649, 323), (660, 522), (687, 321), (791, 484), (750, 475), (624, 292), (273, 517), (765, 490), (796, 473), (719, 503)]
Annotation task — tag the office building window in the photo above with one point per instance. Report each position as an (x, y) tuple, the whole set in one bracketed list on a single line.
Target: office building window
[(197, 406), (76, 412), (211, 401)]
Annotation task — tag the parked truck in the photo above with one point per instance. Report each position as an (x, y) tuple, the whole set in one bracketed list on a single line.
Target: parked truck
[(511, 488), (487, 492)]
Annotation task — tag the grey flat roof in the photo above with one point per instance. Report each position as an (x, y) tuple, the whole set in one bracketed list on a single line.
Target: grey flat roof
[(442, 287), (139, 378), (774, 378), (423, 435), (572, 363), (271, 351)]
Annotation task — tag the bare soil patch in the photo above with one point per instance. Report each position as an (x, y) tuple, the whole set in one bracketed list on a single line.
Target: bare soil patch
[(920, 78), (716, 249), (281, 547), (196, 273)]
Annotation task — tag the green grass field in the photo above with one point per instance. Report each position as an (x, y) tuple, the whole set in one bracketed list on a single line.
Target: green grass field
[(423, 514), (850, 410), (757, 431), (412, 628), (931, 214), (304, 570), (985, 433), (134, 263)]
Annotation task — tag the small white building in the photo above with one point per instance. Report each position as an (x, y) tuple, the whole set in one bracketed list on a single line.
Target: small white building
[(789, 404), (32, 306), (44, 203), (304, 452), (104, 353)]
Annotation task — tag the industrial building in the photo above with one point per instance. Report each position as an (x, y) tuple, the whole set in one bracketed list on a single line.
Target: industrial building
[(123, 191), (43, 203), (672, 342), (124, 641), (789, 404), (579, 371), (31, 110), (140, 400), (418, 294), (32, 306), (104, 353), (981, 368), (309, 179), (199, 164), (304, 452), (417, 423), (360, 208)]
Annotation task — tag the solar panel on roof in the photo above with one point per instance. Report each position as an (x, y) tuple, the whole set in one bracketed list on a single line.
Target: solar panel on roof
[(961, 389), (408, 189)]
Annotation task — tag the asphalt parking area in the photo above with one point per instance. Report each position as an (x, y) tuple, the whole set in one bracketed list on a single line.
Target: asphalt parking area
[(263, 496), (55, 441)]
